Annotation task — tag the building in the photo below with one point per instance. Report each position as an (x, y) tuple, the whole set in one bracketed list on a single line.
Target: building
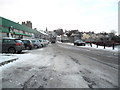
[(85, 36), (59, 31), (51, 35), (64, 38), (9, 28), (41, 35), (73, 35), (88, 37), (28, 24)]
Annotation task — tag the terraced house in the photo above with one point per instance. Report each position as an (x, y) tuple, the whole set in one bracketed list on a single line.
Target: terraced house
[(9, 28)]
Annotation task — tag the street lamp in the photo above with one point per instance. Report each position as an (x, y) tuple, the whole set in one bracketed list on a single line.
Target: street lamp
[(11, 31)]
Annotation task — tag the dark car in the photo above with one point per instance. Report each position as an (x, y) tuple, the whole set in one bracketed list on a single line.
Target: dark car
[(79, 43), (12, 45), (28, 44)]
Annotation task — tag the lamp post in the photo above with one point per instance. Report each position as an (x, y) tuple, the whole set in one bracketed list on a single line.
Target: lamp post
[(11, 31), (104, 41)]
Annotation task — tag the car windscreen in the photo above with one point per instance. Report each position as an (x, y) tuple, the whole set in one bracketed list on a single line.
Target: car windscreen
[(33, 41), (40, 40), (19, 41), (26, 41), (79, 41)]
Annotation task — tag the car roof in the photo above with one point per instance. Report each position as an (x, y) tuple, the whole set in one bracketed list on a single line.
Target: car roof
[(26, 39), (10, 38), (78, 40)]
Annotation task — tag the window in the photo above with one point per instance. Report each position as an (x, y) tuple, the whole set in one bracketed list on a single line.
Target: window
[(15, 30), (19, 41), (4, 34), (7, 41), (21, 31), (0, 41)]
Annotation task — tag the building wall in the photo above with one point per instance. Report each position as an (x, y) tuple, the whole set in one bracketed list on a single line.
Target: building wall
[(0, 28), (9, 28), (71, 39), (28, 24), (85, 36)]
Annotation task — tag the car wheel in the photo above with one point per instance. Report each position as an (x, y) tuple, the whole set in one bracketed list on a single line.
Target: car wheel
[(12, 50), (42, 45), (19, 51), (28, 48), (36, 46)]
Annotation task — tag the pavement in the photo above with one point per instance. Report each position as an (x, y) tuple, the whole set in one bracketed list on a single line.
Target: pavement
[(6, 58)]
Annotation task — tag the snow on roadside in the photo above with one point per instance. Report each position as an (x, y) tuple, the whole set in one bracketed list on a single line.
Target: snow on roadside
[(41, 49), (59, 42), (99, 47), (6, 57), (21, 58), (24, 57)]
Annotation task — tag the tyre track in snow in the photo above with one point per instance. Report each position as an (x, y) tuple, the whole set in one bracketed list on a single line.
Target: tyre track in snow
[(97, 56), (87, 76)]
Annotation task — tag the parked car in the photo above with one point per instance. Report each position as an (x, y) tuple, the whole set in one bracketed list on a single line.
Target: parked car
[(46, 42), (36, 43), (12, 45), (79, 43), (42, 42), (28, 44)]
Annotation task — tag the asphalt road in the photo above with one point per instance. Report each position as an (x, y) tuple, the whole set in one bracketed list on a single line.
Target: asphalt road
[(63, 66), (105, 57)]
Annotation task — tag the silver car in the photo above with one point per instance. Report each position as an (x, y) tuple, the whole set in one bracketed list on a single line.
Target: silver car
[(36, 43), (42, 42)]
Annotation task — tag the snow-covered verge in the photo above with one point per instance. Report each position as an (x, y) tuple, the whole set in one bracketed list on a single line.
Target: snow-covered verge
[(116, 49), (26, 56), (7, 57)]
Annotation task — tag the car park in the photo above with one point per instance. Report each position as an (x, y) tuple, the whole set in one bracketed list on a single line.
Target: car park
[(36, 43), (79, 43), (28, 44), (12, 45)]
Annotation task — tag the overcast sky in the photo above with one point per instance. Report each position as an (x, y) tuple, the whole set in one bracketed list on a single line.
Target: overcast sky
[(84, 15)]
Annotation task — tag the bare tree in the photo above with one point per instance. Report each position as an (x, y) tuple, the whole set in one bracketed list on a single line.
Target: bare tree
[(113, 31)]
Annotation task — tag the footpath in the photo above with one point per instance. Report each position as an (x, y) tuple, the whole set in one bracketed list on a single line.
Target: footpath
[(6, 58)]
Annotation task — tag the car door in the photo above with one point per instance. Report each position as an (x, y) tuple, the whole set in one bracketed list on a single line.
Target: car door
[(0, 45), (7, 43)]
